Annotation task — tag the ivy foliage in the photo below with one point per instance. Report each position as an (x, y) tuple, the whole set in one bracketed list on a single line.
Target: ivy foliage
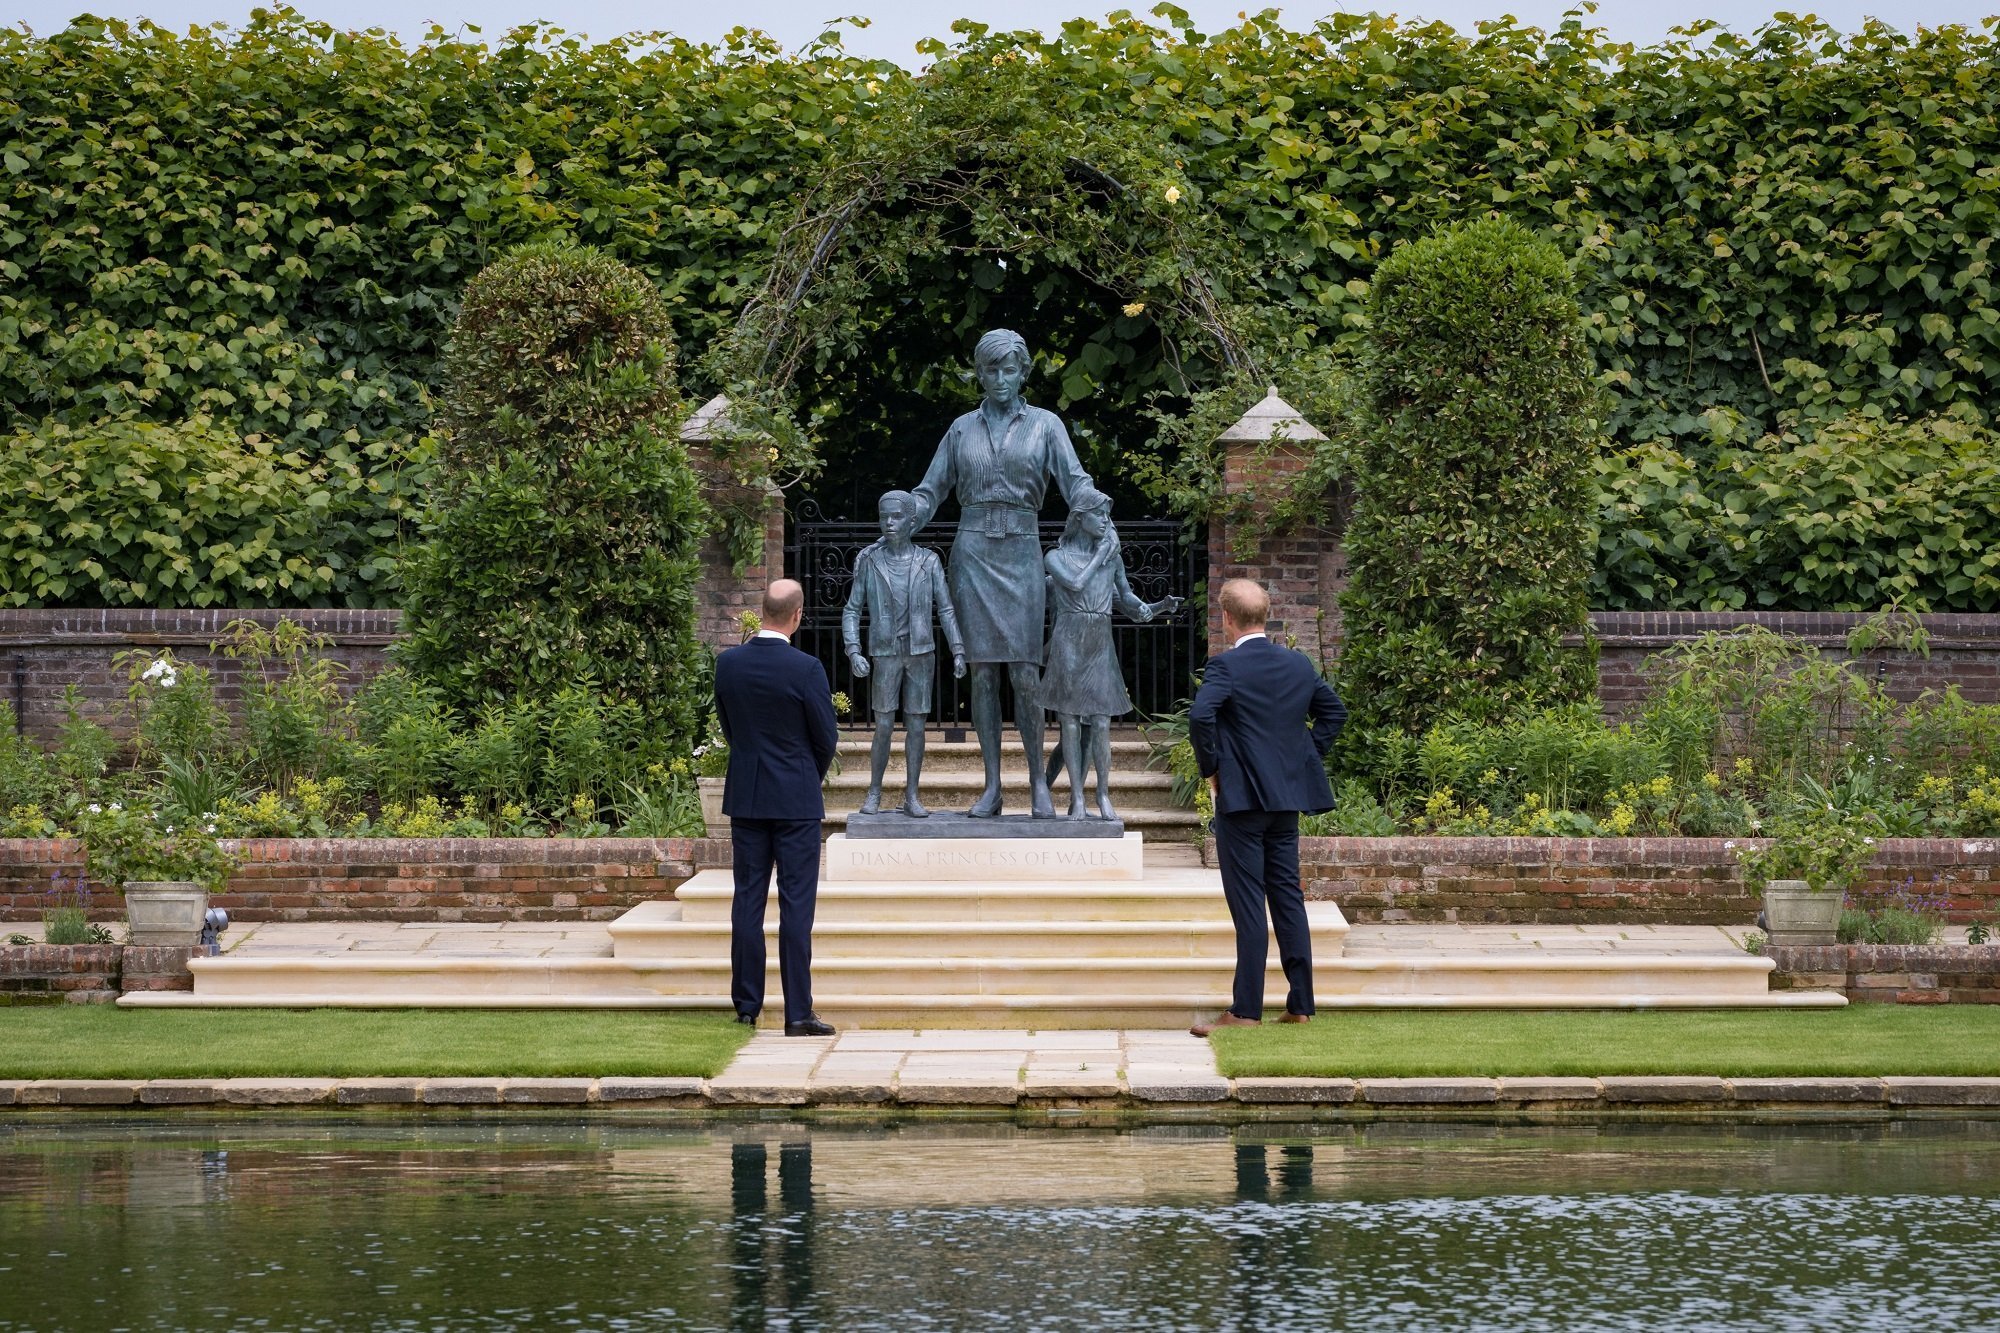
[(135, 513), (563, 542), (1471, 535), (269, 227), (1864, 513)]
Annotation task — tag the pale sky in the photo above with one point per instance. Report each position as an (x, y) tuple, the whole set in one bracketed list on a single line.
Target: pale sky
[(898, 26)]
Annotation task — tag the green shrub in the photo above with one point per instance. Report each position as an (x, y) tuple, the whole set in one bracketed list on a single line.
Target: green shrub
[(267, 224), (172, 707), (563, 547), (1863, 513), (25, 779), (129, 513), (1471, 536)]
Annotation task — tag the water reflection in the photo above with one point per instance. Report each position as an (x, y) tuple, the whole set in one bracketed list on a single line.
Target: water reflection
[(371, 1223)]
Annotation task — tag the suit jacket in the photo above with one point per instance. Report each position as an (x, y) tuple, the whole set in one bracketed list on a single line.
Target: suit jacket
[(776, 709), (928, 596), (1248, 725)]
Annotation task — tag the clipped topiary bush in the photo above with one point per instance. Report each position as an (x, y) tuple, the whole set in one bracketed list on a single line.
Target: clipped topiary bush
[(1472, 533), (562, 545)]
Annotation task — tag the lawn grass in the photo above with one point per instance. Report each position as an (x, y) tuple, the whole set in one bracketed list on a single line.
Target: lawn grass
[(102, 1041), (1860, 1040)]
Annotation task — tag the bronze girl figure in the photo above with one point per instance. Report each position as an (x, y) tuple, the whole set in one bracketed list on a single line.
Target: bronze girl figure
[(1081, 682)]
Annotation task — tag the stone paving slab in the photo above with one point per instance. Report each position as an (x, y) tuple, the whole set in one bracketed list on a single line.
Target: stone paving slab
[(1664, 1088), (1147, 1082), (1546, 1089), (1429, 1091)]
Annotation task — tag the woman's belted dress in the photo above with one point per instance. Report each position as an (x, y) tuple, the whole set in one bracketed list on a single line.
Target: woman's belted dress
[(995, 571)]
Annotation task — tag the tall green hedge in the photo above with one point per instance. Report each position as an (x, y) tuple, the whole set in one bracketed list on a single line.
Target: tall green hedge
[(271, 226), (1471, 536), (564, 536)]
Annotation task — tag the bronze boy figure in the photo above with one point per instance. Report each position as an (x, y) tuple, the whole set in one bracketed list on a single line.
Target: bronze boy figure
[(900, 585)]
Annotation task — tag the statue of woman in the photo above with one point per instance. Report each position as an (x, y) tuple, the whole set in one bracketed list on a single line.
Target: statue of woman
[(1081, 683), (999, 458)]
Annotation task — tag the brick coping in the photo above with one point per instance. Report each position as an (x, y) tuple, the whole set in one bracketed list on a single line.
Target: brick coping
[(1621, 1096), (444, 851), (1431, 849)]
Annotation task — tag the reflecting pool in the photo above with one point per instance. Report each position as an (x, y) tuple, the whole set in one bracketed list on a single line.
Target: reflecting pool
[(476, 1224)]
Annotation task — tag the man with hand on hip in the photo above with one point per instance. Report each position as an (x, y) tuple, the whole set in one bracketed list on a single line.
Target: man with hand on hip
[(1261, 725), (776, 708)]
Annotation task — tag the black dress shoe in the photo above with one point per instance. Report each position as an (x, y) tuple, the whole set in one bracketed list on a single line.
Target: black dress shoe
[(751, 1019), (812, 1025)]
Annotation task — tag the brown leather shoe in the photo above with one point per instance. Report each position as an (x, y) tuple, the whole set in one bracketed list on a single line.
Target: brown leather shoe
[(1226, 1020), (1295, 1018)]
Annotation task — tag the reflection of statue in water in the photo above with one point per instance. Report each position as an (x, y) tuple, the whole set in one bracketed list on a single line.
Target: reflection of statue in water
[(900, 585), (999, 458), (1081, 683)]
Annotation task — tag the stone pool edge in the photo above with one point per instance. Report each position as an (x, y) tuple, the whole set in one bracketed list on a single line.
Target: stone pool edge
[(1214, 1097)]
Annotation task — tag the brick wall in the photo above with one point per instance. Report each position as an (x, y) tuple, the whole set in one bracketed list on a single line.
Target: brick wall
[(90, 973), (1687, 881), (1893, 973), (42, 653), (54, 973), (1964, 649), (391, 879), (1303, 570)]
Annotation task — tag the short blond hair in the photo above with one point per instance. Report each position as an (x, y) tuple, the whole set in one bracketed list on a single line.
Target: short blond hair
[(1245, 604)]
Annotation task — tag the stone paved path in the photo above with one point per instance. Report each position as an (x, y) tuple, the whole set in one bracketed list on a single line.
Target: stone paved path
[(969, 1067)]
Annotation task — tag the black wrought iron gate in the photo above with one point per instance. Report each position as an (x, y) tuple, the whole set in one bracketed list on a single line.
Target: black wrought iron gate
[(1159, 659)]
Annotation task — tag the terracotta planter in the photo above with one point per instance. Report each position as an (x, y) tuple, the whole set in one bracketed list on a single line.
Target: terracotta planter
[(1796, 914), (711, 806), (164, 912)]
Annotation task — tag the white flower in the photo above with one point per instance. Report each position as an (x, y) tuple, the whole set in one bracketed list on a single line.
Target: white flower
[(700, 750), (1173, 194), (116, 806), (1869, 841), (157, 669), (96, 809), (211, 828)]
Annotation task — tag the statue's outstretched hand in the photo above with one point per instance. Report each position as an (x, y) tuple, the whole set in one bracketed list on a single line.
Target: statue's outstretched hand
[(859, 663), (1166, 606)]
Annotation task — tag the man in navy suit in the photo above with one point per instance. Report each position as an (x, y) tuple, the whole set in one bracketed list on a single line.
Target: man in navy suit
[(776, 709), (1265, 766)]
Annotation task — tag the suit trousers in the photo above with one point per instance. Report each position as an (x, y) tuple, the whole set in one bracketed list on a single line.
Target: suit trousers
[(1259, 854), (792, 846)]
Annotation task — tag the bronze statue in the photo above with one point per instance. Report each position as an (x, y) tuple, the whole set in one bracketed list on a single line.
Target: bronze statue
[(900, 585), (1081, 683), (999, 459)]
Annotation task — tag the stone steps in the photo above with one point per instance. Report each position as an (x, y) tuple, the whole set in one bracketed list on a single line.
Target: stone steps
[(954, 776), (995, 992), (1128, 753), (975, 931)]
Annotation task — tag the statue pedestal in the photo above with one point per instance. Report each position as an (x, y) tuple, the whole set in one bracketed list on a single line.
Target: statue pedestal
[(958, 824), (991, 858)]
